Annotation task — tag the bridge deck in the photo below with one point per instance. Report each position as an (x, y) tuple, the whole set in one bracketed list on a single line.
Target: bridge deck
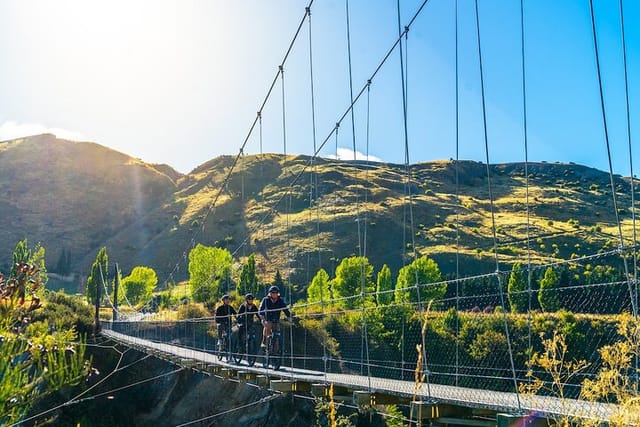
[(545, 406)]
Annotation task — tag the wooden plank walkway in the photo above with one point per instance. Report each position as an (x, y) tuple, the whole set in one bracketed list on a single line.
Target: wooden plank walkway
[(543, 406)]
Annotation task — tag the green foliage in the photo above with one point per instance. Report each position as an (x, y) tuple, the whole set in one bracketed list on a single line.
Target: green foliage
[(318, 290), (248, 278), (63, 266), (95, 279), (139, 285), (419, 273), (489, 344), (192, 311), (548, 296), (21, 255), (384, 284), (352, 275), (66, 312), (518, 298), (208, 266), (36, 358), (277, 280)]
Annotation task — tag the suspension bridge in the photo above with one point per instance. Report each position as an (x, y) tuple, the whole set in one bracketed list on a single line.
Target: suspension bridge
[(459, 351)]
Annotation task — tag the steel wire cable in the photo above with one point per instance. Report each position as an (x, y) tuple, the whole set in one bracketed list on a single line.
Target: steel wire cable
[(606, 138), (526, 173), (631, 174), (256, 120), (457, 178), (491, 205)]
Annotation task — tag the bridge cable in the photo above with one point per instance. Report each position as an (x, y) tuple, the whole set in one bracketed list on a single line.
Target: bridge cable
[(74, 400), (458, 201), (248, 405), (257, 119), (491, 204), (404, 79), (611, 177), (312, 175), (526, 180), (285, 171), (364, 347), (407, 164), (632, 177)]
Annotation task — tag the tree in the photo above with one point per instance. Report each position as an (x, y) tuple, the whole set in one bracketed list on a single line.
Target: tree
[(95, 279), (139, 285), (548, 296), (36, 359), (208, 266), (248, 278), (21, 254), (418, 275), (351, 275), (318, 290), (63, 266), (384, 286), (518, 298)]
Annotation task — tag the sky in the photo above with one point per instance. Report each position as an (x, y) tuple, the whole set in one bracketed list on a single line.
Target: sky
[(181, 81)]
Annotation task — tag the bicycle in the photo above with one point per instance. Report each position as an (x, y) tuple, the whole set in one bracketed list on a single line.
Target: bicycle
[(273, 354), (246, 346), (222, 345)]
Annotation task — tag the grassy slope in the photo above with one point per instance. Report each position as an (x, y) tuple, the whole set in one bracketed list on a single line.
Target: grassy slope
[(81, 196)]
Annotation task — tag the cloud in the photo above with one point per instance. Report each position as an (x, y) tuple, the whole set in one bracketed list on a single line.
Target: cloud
[(347, 154), (12, 130)]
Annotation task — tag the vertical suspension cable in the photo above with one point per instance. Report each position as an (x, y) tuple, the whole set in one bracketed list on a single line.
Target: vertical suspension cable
[(611, 178), (288, 251), (633, 190), (457, 173), (358, 226), (364, 238), (491, 204), (407, 165), (526, 178)]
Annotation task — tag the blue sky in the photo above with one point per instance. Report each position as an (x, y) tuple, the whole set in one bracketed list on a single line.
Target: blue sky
[(180, 82)]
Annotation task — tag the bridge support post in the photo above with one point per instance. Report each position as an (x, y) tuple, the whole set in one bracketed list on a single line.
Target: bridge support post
[(424, 410)]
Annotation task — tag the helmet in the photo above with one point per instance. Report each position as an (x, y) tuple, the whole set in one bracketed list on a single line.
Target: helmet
[(274, 289), (224, 297), (248, 296)]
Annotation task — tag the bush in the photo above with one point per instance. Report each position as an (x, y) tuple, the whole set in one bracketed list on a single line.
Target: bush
[(192, 311), (66, 311)]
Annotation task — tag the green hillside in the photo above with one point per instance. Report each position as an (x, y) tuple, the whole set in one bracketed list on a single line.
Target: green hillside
[(77, 197)]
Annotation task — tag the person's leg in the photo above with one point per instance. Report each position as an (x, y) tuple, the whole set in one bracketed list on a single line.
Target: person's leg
[(266, 332)]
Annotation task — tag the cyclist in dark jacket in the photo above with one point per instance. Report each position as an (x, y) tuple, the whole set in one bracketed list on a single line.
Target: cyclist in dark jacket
[(247, 315), (223, 316), (270, 308)]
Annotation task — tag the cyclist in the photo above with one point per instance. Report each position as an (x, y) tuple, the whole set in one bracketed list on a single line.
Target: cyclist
[(270, 308), (247, 315), (223, 318)]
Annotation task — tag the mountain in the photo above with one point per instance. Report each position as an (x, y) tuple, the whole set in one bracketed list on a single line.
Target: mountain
[(76, 197)]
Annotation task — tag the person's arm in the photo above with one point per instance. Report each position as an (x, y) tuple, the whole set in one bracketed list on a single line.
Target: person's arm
[(241, 316), (262, 310), (284, 309)]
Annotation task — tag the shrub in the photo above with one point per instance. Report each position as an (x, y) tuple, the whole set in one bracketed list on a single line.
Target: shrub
[(192, 311)]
